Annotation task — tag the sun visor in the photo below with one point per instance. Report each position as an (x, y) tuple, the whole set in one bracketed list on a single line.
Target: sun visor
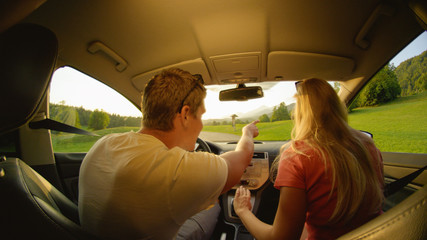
[(289, 65), (196, 66)]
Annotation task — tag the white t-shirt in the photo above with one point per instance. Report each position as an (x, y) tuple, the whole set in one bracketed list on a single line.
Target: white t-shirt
[(132, 186)]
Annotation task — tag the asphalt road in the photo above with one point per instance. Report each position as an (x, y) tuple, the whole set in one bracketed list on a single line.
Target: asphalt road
[(218, 137)]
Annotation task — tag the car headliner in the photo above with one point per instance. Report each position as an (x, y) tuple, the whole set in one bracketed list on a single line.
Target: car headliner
[(123, 43)]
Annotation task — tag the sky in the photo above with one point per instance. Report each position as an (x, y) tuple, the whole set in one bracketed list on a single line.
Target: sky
[(417, 46), (67, 87)]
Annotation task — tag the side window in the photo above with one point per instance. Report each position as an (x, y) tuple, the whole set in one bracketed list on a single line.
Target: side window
[(83, 102), (392, 105)]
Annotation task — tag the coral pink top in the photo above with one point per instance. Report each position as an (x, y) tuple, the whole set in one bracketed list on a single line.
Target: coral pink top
[(308, 173)]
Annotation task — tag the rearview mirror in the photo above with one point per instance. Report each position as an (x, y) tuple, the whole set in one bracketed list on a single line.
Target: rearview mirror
[(241, 93)]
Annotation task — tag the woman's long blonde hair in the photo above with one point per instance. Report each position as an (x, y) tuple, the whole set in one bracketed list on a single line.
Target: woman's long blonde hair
[(320, 120)]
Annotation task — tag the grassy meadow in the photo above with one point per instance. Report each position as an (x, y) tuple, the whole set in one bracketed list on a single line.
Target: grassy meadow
[(65, 142), (399, 126)]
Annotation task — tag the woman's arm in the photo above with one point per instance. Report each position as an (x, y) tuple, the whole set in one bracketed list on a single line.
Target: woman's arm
[(289, 220)]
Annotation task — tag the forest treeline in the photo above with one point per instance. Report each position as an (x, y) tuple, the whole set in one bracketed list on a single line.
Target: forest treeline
[(412, 75), (95, 120), (279, 113), (409, 78)]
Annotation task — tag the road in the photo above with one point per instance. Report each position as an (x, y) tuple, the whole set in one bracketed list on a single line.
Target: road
[(218, 137)]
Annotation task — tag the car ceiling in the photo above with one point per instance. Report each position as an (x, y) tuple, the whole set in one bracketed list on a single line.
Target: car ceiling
[(228, 39)]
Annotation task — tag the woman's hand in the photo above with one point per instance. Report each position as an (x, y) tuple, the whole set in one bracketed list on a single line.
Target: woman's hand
[(242, 200)]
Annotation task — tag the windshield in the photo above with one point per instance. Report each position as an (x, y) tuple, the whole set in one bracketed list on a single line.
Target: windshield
[(223, 120), (274, 94)]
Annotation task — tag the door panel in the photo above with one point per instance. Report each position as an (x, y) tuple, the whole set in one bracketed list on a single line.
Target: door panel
[(397, 165)]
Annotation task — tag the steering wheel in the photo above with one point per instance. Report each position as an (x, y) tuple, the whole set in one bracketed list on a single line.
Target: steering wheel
[(202, 146)]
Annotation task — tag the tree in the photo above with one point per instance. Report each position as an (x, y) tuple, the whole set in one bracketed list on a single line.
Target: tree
[(264, 118), (84, 115), (64, 114), (412, 75), (280, 113), (98, 120), (382, 88), (116, 121), (133, 121), (421, 83)]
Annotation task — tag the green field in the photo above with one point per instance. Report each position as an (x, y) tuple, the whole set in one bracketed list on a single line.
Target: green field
[(65, 142), (399, 126)]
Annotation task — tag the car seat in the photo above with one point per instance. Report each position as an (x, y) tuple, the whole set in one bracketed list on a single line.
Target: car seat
[(31, 208)]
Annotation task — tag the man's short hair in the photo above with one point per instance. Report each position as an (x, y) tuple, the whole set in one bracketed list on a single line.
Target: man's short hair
[(166, 94)]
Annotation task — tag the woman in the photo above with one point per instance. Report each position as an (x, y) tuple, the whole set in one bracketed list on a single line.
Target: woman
[(330, 176)]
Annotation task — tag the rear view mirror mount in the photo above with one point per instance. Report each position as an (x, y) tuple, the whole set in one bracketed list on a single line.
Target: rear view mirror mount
[(241, 93)]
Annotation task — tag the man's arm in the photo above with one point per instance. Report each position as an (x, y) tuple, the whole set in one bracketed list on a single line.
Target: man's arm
[(239, 159)]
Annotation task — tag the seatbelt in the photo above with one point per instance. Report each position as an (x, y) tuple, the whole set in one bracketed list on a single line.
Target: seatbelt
[(58, 126), (400, 183)]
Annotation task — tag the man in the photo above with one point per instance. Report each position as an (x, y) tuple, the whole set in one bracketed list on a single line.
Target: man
[(147, 184)]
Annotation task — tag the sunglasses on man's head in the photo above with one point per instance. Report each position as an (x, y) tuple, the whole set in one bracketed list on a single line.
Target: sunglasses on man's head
[(199, 79)]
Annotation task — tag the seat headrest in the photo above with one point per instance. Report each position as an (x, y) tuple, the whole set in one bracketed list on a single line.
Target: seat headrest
[(27, 58)]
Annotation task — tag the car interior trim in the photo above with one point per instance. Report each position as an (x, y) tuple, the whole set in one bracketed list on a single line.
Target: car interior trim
[(382, 9), (97, 46), (195, 66)]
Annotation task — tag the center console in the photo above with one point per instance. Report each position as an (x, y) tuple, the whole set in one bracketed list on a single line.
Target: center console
[(254, 177)]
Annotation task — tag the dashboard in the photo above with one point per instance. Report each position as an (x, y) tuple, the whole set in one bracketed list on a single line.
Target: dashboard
[(257, 173)]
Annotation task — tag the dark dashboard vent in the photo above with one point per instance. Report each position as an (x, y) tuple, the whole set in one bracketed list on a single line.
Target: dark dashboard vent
[(255, 142), (259, 155)]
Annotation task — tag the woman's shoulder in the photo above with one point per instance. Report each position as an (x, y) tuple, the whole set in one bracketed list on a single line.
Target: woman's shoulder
[(301, 151), (303, 147), (365, 138)]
